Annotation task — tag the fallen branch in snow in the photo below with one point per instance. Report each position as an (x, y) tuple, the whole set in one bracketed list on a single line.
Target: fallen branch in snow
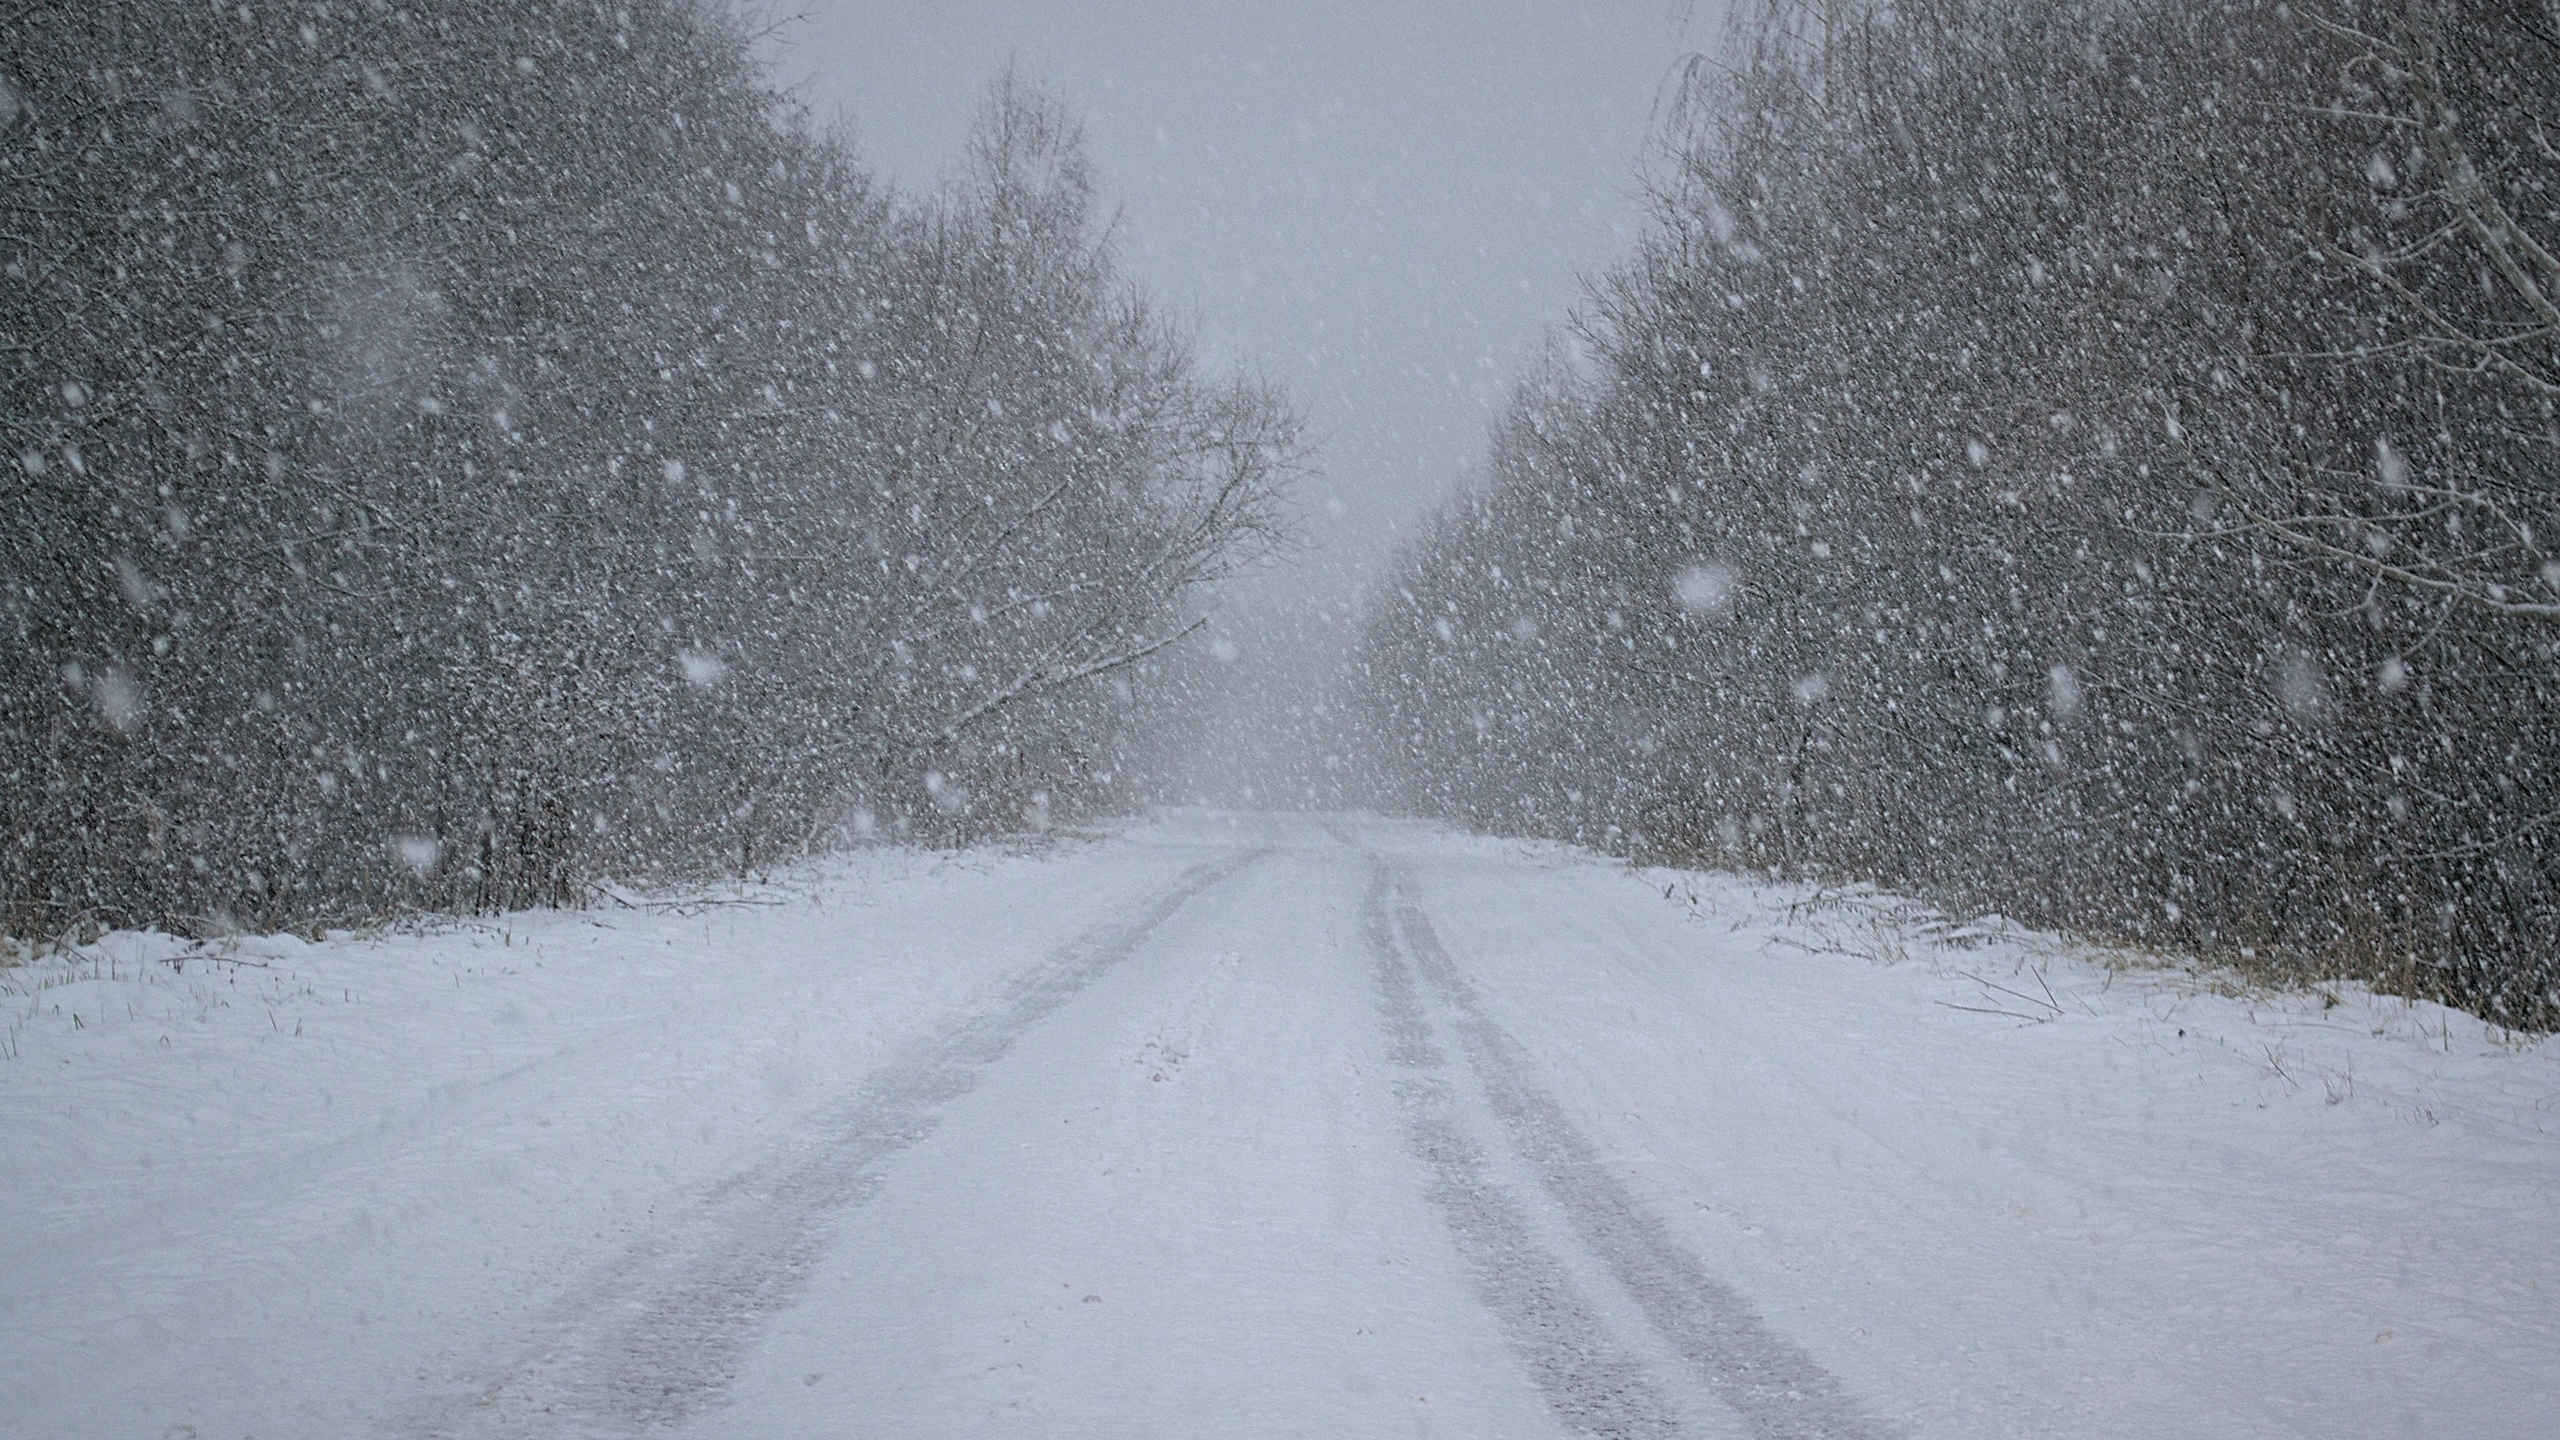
[(704, 902), (1986, 1010), (614, 893), (2277, 1066), (2048, 1001)]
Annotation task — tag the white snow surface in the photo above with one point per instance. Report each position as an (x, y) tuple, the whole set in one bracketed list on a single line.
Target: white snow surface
[(1256, 1125)]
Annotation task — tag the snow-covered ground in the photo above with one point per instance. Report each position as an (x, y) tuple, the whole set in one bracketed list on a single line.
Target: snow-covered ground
[(1254, 1125)]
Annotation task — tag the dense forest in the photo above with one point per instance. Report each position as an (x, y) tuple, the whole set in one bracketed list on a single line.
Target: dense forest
[(457, 449), (2091, 461), (2094, 462)]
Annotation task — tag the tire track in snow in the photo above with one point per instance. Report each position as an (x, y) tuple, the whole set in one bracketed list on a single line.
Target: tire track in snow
[(655, 1335), (1591, 1383), (1778, 1388)]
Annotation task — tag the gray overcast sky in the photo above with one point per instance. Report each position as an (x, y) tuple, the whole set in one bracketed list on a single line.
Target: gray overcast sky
[(1383, 206)]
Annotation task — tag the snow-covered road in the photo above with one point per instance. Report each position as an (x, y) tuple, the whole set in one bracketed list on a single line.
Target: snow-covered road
[(1257, 1125)]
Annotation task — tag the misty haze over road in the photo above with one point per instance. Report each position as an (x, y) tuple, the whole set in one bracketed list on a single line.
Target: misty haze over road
[(1386, 207)]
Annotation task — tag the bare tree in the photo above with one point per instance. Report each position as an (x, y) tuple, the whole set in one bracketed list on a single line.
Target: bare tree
[(1981, 480), (462, 449)]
